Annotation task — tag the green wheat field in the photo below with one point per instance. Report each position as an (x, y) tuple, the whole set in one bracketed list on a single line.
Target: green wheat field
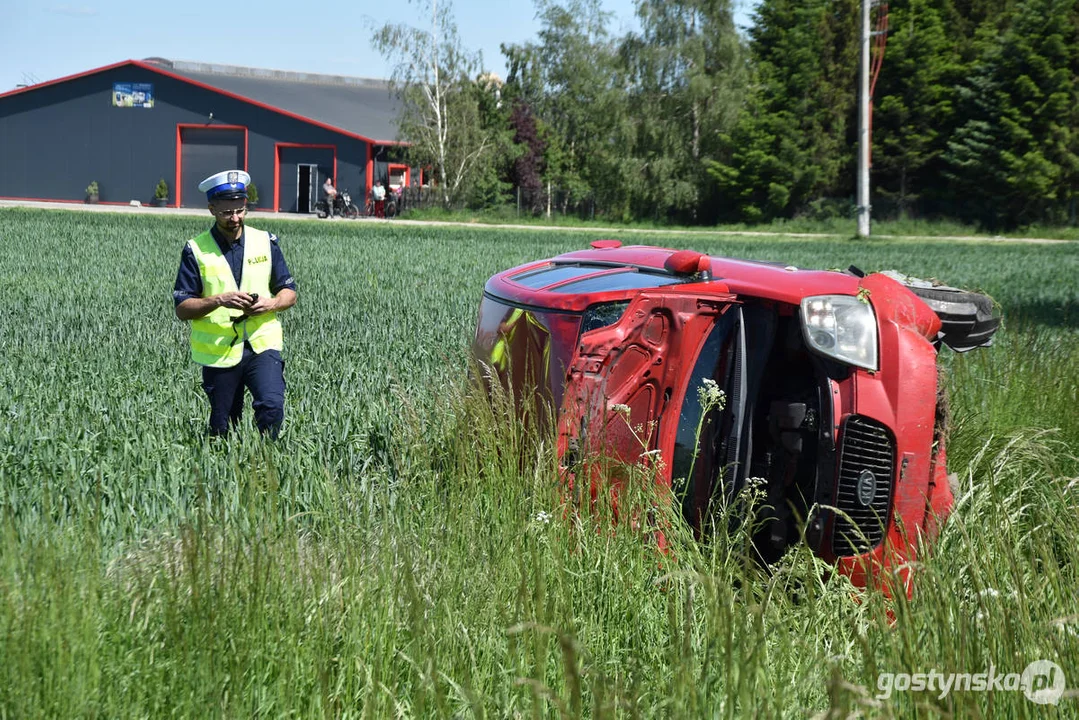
[(400, 551)]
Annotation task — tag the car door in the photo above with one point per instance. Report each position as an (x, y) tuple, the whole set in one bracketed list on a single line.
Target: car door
[(625, 388)]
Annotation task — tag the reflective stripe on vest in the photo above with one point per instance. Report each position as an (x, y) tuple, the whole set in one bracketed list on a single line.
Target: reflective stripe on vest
[(216, 340)]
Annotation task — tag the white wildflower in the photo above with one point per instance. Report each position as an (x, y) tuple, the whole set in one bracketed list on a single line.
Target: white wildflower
[(711, 395)]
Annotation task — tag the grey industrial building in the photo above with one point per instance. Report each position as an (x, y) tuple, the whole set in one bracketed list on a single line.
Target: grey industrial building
[(126, 126)]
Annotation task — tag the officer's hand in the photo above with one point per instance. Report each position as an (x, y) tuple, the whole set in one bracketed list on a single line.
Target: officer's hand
[(264, 304), (235, 299)]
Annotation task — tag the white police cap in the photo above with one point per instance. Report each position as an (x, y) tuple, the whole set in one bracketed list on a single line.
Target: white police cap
[(226, 184)]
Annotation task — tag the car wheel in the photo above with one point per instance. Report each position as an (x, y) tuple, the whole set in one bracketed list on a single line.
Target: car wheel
[(968, 319)]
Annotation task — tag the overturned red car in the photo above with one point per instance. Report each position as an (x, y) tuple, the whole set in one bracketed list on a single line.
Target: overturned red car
[(828, 381)]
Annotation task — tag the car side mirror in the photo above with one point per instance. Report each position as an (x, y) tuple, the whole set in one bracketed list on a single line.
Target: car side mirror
[(690, 262)]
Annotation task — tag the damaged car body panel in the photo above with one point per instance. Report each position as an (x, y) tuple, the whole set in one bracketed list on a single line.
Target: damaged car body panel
[(626, 381), (829, 379)]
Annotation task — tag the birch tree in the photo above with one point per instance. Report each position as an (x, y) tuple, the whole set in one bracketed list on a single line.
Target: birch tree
[(439, 115)]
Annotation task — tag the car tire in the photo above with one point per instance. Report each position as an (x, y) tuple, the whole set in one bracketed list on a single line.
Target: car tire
[(968, 319)]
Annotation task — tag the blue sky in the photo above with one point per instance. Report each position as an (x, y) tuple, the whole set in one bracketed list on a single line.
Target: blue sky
[(48, 40)]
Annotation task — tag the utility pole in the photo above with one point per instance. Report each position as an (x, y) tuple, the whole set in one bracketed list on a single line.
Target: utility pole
[(863, 127)]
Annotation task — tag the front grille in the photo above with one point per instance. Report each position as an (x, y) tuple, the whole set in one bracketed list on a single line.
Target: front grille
[(864, 445)]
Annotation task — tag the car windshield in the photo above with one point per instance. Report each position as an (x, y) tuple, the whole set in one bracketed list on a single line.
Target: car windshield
[(593, 278), (551, 274), (626, 279), (530, 349)]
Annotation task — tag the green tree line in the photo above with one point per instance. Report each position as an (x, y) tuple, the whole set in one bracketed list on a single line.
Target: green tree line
[(689, 120)]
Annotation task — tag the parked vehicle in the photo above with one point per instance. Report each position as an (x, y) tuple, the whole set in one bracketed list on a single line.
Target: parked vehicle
[(819, 387), (342, 206)]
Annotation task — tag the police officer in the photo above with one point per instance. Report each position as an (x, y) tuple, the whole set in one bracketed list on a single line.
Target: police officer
[(232, 282)]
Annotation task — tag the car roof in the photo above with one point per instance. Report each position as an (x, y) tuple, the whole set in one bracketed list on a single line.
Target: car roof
[(574, 280)]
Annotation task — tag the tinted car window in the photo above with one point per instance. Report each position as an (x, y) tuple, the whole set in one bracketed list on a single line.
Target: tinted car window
[(552, 274), (622, 280), (711, 363)]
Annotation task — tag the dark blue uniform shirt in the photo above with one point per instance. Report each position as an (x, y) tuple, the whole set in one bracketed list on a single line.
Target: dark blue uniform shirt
[(189, 279)]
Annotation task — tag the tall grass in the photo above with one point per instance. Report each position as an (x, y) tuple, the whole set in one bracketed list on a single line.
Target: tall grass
[(460, 587), (405, 549)]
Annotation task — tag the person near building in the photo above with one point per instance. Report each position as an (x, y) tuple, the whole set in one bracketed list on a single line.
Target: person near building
[(378, 193), (393, 199), (331, 195), (232, 283)]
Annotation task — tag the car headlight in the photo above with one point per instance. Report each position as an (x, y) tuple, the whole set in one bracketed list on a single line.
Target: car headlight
[(842, 327)]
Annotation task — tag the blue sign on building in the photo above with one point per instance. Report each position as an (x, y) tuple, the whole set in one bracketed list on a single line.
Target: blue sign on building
[(139, 95)]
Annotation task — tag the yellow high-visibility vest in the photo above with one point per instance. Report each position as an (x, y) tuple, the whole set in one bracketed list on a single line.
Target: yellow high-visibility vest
[(217, 339)]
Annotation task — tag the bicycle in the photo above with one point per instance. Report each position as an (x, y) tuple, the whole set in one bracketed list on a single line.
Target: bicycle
[(389, 208)]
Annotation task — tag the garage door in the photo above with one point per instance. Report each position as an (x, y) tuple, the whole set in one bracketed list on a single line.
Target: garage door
[(205, 151)]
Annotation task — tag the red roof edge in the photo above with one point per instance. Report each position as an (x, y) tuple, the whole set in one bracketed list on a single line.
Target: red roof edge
[(176, 76), (36, 86)]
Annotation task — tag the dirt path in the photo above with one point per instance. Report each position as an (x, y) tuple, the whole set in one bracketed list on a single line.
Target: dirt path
[(290, 217)]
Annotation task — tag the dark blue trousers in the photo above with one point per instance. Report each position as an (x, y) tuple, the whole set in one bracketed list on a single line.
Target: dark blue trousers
[(264, 374)]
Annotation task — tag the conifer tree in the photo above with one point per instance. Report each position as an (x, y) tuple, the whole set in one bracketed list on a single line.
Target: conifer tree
[(914, 110), (1015, 159), (793, 146)]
